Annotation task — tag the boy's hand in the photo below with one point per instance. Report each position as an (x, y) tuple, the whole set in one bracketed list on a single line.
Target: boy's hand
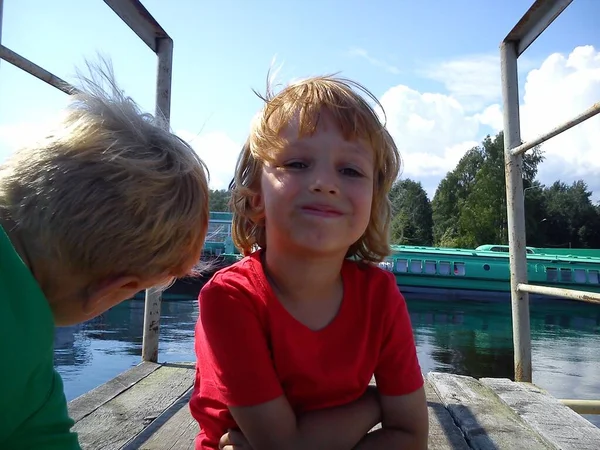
[(234, 440)]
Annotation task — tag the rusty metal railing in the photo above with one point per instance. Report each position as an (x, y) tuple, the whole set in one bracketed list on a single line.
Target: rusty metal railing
[(137, 17), (541, 14)]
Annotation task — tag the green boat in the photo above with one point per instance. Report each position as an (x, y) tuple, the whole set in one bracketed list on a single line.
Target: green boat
[(464, 273), (593, 252)]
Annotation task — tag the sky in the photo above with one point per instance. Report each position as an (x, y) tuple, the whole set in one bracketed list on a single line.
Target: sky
[(434, 66)]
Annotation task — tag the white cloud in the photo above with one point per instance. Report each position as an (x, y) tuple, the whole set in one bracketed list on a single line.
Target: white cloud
[(218, 151), (474, 80), (433, 130), (362, 53), (560, 89)]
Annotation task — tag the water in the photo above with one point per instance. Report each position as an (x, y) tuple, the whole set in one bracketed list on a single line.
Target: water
[(464, 337)]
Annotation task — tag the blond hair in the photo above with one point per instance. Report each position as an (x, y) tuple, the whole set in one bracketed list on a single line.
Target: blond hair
[(355, 118), (110, 191)]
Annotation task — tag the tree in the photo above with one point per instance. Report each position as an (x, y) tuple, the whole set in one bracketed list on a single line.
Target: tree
[(451, 192), (219, 200), (572, 219), (469, 206), (411, 214)]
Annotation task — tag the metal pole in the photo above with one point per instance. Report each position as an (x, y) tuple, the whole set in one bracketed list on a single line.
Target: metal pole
[(1, 11), (33, 69), (163, 113), (163, 79), (587, 114), (515, 212)]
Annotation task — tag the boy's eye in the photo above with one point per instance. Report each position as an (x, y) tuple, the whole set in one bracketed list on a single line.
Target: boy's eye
[(351, 172), (296, 165)]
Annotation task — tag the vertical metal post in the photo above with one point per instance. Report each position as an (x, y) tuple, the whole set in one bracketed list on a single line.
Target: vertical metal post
[(163, 112), (1, 9), (163, 79), (515, 212)]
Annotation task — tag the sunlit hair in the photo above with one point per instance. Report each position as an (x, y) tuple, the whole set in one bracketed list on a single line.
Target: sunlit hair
[(110, 190), (356, 119)]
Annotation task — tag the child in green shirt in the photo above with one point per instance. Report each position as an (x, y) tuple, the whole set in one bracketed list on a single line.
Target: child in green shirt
[(107, 204)]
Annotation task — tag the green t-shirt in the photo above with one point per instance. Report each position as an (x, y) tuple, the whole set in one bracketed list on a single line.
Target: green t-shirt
[(33, 407)]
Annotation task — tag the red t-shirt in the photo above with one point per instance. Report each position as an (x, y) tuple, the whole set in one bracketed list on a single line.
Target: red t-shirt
[(250, 349)]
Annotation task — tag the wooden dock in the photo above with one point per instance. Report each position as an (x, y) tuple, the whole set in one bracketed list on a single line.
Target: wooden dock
[(147, 408)]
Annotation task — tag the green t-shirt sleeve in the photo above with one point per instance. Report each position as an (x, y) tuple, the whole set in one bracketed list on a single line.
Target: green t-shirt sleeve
[(49, 428)]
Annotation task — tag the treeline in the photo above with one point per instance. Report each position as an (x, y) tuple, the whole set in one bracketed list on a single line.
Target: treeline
[(469, 206)]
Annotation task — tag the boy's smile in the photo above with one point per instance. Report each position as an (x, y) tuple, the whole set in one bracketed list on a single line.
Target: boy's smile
[(317, 193)]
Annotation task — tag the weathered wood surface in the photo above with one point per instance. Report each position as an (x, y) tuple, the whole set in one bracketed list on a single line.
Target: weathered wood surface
[(545, 414), (92, 400), (443, 432), (114, 423), (147, 408), (173, 430), (486, 421)]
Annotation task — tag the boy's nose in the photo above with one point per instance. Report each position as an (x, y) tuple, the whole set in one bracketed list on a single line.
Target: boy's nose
[(324, 181)]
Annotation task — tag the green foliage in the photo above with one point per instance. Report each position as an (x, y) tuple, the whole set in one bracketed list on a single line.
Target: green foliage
[(412, 220), (469, 206), (219, 200), (570, 218)]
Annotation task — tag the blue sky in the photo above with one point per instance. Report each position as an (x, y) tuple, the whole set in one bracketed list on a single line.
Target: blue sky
[(433, 64)]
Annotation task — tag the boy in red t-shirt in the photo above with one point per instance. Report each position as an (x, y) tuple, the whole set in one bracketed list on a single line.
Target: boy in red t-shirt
[(289, 338)]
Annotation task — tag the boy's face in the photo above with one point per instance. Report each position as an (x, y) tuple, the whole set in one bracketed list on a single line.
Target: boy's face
[(318, 192), (80, 305), (70, 308)]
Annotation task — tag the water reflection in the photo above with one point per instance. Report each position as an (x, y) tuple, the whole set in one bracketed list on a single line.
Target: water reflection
[(96, 351), (475, 338), (465, 337)]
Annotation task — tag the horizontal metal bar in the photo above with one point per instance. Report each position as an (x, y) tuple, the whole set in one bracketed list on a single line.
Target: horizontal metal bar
[(582, 406), (22, 63), (533, 23), (584, 296), (137, 17), (588, 113)]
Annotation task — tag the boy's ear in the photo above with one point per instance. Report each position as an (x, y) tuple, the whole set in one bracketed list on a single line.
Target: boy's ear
[(258, 210), (105, 294)]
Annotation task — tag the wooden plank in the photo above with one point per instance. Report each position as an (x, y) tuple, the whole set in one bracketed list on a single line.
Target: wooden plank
[(554, 421), (122, 418), (175, 429), (92, 400), (443, 432), (486, 421)]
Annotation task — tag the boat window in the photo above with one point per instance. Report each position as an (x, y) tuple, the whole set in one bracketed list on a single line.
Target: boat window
[(565, 274), (551, 274), (593, 276), (459, 269), (580, 276), (415, 266), (430, 267), (386, 265), (444, 268), (401, 265)]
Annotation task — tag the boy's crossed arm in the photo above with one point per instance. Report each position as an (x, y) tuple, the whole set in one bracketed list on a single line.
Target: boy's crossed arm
[(405, 423), (273, 425)]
